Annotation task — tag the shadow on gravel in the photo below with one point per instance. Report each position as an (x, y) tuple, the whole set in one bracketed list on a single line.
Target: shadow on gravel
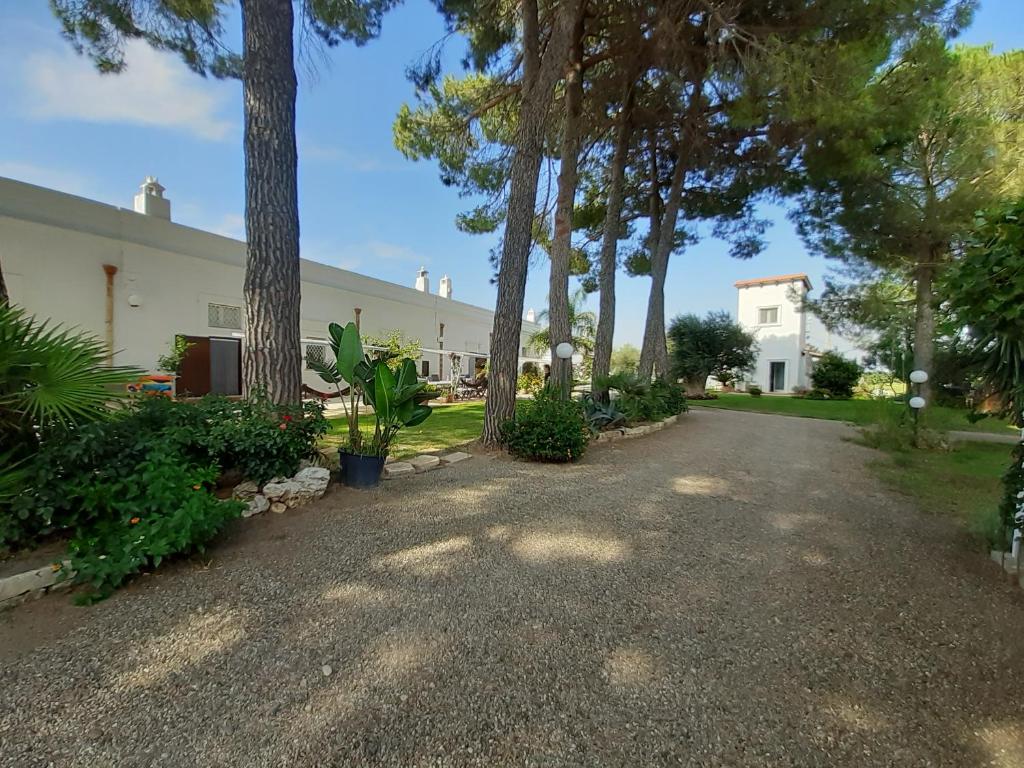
[(672, 601)]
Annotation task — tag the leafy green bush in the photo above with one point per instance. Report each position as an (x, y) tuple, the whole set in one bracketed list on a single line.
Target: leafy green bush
[(547, 428), (754, 391), (137, 488), (124, 525), (600, 415), (836, 375), (260, 439), (670, 397), (641, 400), (51, 380), (529, 382)]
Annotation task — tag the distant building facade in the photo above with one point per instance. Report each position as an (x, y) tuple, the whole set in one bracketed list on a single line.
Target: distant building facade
[(138, 280), (789, 338)]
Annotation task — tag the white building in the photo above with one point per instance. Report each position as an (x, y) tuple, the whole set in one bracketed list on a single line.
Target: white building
[(137, 280), (789, 338)]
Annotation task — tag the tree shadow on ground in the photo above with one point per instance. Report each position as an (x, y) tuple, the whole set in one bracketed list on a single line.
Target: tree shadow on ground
[(668, 601)]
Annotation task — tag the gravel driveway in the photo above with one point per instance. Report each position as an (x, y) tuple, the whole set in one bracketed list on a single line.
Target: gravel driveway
[(735, 590)]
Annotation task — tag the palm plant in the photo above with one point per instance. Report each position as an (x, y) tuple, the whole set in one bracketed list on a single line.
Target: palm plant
[(582, 323), (51, 378)]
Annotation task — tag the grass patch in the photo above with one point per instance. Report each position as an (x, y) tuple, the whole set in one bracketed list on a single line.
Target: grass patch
[(859, 412), (449, 427), (964, 483)]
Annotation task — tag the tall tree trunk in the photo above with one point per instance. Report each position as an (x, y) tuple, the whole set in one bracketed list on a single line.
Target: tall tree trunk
[(609, 252), (272, 358), (924, 325), (654, 354), (559, 329), (539, 77), (4, 298)]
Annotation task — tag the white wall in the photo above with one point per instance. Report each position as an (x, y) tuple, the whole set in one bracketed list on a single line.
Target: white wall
[(53, 247), (778, 342), (788, 340)]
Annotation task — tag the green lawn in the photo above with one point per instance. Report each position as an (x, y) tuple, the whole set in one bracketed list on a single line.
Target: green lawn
[(859, 412), (964, 483), (449, 427)]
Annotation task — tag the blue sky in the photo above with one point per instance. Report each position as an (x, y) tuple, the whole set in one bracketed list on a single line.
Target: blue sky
[(362, 205)]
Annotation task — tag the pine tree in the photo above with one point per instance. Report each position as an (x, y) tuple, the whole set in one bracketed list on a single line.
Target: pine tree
[(272, 355)]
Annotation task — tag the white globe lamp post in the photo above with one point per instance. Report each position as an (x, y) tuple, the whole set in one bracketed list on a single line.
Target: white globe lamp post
[(563, 351), (916, 403)]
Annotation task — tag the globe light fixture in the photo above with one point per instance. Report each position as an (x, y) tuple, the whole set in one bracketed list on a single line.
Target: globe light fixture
[(918, 376), (564, 350), (917, 402)]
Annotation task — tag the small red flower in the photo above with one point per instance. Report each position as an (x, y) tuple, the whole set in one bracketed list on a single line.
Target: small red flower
[(286, 417), (283, 426), (134, 520)]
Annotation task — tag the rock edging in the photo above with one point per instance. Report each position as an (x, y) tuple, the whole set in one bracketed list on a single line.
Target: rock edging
[(623, 433), (281, 493), (422, 463), (19, 587)]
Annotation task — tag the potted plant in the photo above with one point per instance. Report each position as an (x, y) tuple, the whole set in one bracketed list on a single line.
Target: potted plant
[(397, 399)]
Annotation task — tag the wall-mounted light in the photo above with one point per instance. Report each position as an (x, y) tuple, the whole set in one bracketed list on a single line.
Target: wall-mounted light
[(134, 300)]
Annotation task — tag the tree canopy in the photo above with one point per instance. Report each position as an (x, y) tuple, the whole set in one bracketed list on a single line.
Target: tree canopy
[(715, 345)]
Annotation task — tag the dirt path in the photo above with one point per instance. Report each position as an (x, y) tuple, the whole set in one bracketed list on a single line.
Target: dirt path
[(735, 590)]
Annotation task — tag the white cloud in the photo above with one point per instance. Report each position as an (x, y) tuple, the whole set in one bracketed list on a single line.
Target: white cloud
[(230, 225), (155, 89), (354, 255), (318, 153), (52, 178)]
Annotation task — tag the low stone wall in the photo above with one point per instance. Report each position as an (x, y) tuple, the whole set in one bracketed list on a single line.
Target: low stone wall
[(35, 583), (612, 435), (423, 463)]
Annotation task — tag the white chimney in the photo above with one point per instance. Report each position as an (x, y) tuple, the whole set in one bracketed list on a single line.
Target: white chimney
[(150, 199), (444, 290), (422, 281), (531, 316)]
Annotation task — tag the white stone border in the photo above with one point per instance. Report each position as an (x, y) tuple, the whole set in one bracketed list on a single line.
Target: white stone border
[(1013, 566), (17, 588), (423, 463), (612, 435)]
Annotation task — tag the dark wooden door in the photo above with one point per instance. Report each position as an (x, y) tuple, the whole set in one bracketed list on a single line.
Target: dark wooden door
[(195, 368), (225, 366)]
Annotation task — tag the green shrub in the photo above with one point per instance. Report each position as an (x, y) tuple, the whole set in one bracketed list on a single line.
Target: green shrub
[(670, 398), (1012, 503), (754, 391), (529, 382), (600, 415), (547, 428), (137, 488), (836, 375), (51, 380), (165, 508), (642, 400), (260, 439)]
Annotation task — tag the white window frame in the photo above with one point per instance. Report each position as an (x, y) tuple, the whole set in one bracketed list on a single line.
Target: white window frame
[(778, 315)]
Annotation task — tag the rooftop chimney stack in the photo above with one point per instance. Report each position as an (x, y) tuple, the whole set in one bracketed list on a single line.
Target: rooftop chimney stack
[(444, 289), (531, 316), (422, 281), (150, 199)]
